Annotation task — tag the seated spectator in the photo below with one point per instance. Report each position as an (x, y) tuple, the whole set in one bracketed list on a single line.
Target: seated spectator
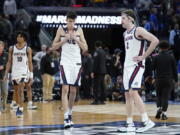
[(108, 86), (118, 90)]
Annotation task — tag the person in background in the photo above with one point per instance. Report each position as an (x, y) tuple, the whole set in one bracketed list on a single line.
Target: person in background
[(165, 68), (3, 83), (47, 72), (38, 56), (99, 71)]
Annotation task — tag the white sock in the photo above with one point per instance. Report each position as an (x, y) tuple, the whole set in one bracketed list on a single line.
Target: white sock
[(129, 120), (30, 103), (165, 113), (70, 111), (21, 108), (13, 102), (144, 117), (66, 115)]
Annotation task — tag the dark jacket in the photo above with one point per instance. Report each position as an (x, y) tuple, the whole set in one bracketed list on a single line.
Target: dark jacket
[(99, 64), (87, 65), (47, 65), (165, 66), (3, 62)]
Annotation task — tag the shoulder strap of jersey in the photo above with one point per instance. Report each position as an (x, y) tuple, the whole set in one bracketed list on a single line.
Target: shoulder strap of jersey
[(65, 29), (75, 28), (27, 47), (12, 48)]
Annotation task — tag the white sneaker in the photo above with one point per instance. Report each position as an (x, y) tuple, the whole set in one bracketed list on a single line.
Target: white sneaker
[(31, 107), (71, 123), (127, 128), (13, 106), (70, 120), (67, 123), (147, 125)]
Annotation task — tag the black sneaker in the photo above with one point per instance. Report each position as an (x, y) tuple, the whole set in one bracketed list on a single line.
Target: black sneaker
[(158, 114), (164, 117)]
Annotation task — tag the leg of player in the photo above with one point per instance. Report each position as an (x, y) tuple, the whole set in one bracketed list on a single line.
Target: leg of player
[(64, 99), (14, 100), (129, 109), (19, 112), (147, 123), (72, 98)]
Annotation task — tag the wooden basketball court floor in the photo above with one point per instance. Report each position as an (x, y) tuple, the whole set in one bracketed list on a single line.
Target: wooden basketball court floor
[(88, 119)]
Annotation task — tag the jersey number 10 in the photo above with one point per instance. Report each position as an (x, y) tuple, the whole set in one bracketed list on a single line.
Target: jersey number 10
[(19, 59)]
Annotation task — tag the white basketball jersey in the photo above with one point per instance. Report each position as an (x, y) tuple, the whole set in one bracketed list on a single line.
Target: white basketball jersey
[(134, 47), (70, 51), (19, 62)]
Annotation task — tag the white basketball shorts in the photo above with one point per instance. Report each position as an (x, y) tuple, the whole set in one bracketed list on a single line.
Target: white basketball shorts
[(132, 77), (70, 74)]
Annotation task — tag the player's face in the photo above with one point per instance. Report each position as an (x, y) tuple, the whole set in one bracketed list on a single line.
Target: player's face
[(124, 20), (20, 39), (70, 22)]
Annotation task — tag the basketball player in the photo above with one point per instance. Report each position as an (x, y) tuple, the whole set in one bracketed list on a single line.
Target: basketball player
[(134, 38), (71, 40), (19, 62)]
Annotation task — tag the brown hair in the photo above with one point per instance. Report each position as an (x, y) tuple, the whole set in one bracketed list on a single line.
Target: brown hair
[(71, 15), (129, 12)]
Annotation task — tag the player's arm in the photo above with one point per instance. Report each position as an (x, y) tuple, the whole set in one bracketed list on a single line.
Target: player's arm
[(9, 63), (57, 42), (82, 42), (141, 33)]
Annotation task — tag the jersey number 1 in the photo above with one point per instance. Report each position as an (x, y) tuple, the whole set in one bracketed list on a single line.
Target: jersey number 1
[(127, 45)]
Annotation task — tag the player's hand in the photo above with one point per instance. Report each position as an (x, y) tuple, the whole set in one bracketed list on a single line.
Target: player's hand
[(73, 37), (67, 37), (138, 59), (1, 67)]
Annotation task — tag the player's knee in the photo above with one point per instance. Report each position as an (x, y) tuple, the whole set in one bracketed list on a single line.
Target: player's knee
[(28, 86), (127, 95), (131, 93), (73, 91), (65, 91)]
